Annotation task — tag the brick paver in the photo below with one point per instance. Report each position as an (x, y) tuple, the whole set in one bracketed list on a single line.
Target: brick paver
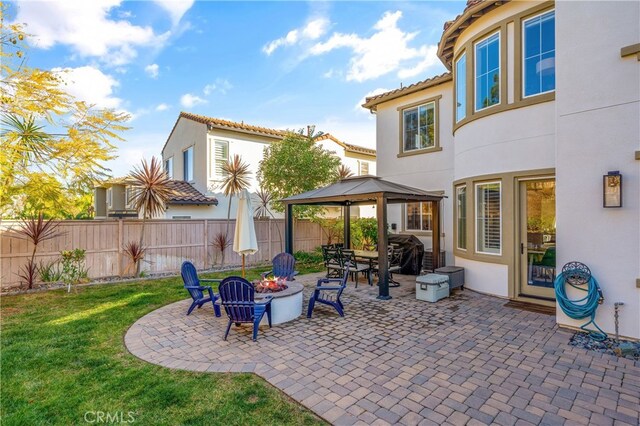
[(466, 359)]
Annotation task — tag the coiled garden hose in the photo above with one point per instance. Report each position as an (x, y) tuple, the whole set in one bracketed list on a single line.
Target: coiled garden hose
[(581, 308)]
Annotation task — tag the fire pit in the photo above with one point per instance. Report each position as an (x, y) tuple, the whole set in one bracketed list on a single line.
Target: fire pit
[(286, 304), (270, 285)]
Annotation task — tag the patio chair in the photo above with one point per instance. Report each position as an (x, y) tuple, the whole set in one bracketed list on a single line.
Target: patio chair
[(349, 261), (283, 266), (328, 294), (332, 261), (192, 284), (237, 299), (395, 264)]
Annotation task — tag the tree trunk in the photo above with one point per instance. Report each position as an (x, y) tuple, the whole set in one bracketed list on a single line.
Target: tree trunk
[(229, 216)]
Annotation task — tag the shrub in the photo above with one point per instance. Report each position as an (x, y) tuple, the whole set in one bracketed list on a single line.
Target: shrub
[(50, 272), (309, 258), (73, 266)]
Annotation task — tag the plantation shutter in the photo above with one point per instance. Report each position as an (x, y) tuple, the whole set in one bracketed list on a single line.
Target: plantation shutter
[(221, 156), (488, 218), (364, 168)]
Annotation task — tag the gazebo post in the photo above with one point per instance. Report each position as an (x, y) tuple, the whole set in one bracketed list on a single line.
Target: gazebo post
[(347, 226), (383, 242), (288, 230), (435, 233)]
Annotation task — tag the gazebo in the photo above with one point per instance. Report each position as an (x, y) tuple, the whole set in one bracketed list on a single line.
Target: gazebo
[(367, 190)]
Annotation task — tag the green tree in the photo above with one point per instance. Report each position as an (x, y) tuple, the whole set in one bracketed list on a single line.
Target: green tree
[(295, 165), (53, 146)]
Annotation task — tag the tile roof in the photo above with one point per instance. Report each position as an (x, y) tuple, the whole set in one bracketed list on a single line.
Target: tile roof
[(452, 29), (347, 146), (372, 101), (185, 193)]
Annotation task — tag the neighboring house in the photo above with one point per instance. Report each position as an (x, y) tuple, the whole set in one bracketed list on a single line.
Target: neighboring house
[(198, 146), (113, 199), (541, 102)]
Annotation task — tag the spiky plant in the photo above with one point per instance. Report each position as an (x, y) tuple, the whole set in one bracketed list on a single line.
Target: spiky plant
[(343, 172), (264, 210), (35, 230), (221, 242), (135, 252), (237, 174)]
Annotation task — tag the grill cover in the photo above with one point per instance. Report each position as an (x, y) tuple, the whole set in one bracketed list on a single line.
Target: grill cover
[(412, 253)]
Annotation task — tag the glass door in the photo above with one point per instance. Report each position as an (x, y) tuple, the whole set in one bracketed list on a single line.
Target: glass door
[(537, 238)]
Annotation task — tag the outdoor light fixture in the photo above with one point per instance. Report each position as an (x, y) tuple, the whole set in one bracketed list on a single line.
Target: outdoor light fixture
[(612, 189)]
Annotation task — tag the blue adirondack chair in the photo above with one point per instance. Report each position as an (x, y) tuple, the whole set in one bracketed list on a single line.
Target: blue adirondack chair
[(192, 284), (328, 294), (284, 265), (237, 299)]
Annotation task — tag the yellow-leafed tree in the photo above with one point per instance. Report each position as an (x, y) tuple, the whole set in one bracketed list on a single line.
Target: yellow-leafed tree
[(53, 146)]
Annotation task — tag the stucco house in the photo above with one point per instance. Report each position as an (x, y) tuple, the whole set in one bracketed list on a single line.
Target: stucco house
[(198, 146), (533, 134)]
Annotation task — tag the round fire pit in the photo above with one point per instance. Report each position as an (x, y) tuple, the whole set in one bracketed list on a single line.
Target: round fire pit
[(286, 304)]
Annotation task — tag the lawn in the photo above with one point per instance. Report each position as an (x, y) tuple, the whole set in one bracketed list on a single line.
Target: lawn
[(64, 360)]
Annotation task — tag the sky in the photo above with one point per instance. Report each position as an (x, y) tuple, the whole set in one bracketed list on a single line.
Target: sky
[(282, 64)]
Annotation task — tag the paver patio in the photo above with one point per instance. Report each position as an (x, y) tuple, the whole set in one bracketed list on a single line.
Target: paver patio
[(464, 360)]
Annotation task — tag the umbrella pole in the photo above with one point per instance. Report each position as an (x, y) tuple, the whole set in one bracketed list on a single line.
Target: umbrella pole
[(242, 265)]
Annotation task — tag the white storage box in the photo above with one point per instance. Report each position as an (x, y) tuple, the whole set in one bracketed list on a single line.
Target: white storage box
[(432, 287)]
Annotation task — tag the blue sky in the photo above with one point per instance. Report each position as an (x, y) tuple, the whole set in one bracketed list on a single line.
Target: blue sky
[(275, 64)]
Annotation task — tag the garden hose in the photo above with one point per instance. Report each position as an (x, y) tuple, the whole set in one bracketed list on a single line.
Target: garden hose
[(581, 308)]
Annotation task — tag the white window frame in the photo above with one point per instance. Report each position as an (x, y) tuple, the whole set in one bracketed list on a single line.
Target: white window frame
[(363, 164), (475, 71), (168, 167), (406, 217), (434, 143), (523, 59), (457, 88), (213, 175), (475, 205), (109, 197), (458, 217), (185, 175)]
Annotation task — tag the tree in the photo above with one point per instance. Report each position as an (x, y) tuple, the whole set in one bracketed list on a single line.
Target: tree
[(236, 179), (295, 165), (53, 146)]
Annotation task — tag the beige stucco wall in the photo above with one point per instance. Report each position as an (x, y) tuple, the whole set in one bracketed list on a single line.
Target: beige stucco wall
[(100, 202), (598, 130), (188, 133)]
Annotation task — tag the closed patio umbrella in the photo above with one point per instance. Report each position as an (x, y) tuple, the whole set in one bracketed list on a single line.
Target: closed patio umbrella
[(245, 241)]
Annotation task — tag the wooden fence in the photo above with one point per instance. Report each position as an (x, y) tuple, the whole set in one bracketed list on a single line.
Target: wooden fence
[(168, 242)]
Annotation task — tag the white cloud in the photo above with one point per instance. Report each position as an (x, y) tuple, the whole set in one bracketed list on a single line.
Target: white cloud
[(358, 107), (175, 8), (387, 50), (91, 85), (88, 27), (188, 100), (162, 107), (313, 30), (221, 85), (152, 70)]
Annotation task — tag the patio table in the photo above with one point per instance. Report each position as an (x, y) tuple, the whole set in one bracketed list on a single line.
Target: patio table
[(371, 257)]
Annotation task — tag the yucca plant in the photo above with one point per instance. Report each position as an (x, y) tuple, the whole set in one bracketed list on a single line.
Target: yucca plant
[(135, 252), (264, 210), (343, 172), (237, 174), (221, 241), (35, 230), (152, 191)]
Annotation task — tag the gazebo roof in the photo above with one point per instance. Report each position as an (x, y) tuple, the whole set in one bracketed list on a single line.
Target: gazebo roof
[(362, 190)]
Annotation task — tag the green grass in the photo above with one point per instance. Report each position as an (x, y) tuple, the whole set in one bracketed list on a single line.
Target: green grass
[(63, 355)]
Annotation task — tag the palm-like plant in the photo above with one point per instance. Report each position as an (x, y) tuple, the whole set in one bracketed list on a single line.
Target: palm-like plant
[(35, 230), (236, 179), (343, 172), (264, 210), (151, 191)]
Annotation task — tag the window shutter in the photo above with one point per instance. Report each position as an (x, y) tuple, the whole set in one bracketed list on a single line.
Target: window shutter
[(221, 155)]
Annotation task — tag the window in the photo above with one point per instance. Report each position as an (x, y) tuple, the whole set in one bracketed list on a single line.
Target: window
[(419, 217), (419, 127), (488, 233), (187, 158), (129, 193), (539, 54), (461, 87), (219, 156), (109, 197), (461, 216), (487, 74), (364, 168), (168, 167)]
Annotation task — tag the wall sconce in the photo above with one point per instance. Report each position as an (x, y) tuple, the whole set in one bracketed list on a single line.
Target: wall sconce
[(612, 189)]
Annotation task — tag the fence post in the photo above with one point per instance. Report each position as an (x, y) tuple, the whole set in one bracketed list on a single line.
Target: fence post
[(206, 245), (120, 244)]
